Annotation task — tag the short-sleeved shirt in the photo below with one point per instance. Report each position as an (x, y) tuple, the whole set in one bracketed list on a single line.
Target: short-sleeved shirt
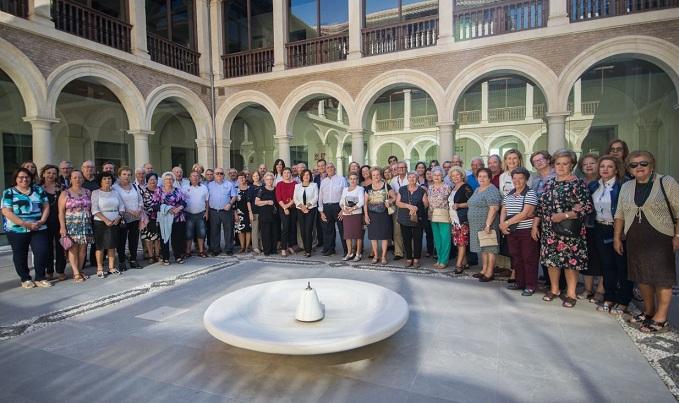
[(221, 193), (514, 204), (26, 207), (196, 196)]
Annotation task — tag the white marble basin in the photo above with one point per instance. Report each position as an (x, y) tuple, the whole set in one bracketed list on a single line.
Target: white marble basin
[(262, 317)]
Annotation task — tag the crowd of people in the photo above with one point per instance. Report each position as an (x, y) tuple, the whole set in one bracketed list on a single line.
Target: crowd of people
[(609, 218)]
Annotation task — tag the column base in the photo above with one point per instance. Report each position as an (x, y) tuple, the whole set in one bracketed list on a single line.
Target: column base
[(557, 20), (354, 55), (445, 40), (278, 67), (141, 53)]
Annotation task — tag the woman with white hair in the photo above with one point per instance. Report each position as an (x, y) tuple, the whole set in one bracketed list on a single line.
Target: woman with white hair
[(439, 216), (412, 203), (171, 220)]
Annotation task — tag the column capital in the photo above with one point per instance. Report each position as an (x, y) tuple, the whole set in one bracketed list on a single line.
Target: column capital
[(226, 143), (557, 115), (357, 132), (206, 142), (445, 125), (40, 120), (140, 132)]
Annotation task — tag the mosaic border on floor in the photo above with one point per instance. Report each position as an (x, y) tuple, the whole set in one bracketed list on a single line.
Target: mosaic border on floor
[(21, 327)]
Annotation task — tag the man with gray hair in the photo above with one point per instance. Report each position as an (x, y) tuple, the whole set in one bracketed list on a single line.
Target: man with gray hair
[(477, 163), (65, 168), (329, 196), (179, 180)]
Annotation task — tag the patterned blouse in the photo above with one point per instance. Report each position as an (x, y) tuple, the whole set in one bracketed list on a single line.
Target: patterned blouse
[(151, 201), (175, 198), (438, 196)]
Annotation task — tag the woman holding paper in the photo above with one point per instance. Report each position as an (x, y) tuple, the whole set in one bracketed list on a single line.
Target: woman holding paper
[(484, 206)]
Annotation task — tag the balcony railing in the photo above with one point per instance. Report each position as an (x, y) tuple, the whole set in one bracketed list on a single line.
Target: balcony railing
[(91, 24), (172, 54), (538, 111), (583, 10), (469, 117), (500, 18), (248, 63), (422, 122), (508, 114), (389, 125), (588, 108), (411, 34), (15, 7), (325, 49)]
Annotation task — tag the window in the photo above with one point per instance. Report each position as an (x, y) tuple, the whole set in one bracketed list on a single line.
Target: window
[(115, 153), (183, 157), (173, 20), (248, 25), (299, 154), (309, 19), (385, 12), (117, 9)]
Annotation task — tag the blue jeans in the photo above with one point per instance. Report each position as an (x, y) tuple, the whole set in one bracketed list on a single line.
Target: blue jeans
[(195, 226), (39, 243)]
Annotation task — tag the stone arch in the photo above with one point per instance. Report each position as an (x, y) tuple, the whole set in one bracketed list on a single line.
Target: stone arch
[(298, 97), (186, 98), (418, 140), (504, 132), (233, 105), (393, 79), (26, 76), (532, 69), (653, 50), (475, 138), (124, 89), (375, 150)]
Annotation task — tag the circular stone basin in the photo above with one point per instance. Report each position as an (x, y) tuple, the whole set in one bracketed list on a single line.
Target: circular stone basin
[(262, 317)]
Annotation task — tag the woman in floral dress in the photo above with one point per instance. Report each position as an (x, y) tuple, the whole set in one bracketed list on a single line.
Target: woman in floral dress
[(243, 215), (565, 198), (75, 218), (150, 232)]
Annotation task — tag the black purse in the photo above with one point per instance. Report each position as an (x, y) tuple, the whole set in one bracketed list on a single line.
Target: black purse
[(570, 228)]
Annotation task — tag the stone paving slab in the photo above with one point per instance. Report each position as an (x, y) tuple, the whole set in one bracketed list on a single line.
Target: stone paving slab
[(464, 341)]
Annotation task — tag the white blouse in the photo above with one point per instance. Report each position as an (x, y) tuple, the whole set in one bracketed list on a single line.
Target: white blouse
[(131, 199), (311, 195), (357, 195), (107, 203)]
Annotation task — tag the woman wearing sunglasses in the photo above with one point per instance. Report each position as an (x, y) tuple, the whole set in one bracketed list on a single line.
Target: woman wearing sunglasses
[(647, 210)]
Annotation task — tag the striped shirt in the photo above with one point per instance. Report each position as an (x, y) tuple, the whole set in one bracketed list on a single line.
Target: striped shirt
[(514, 204)]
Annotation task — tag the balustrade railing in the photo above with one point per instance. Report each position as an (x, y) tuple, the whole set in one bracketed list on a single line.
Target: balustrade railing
[(499, 18), (389, 125), (410, 34), (469, 117), (507, 114), (172, 54), (15, 7), (590, 107), (538, 111), (422, 122), (583, 10), (324, 49), (248, 63), (91, 24)]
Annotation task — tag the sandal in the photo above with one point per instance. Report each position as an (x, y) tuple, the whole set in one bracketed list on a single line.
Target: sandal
[(604, 307), (618, 310), (114, 271), (375, 260), (485, 279), (597, 298), (100, 274), (384, 260), (477, 275), (588, 295), (654, 327), (550, 296), (459, 269), (202, 254), (78, 278), (641, 318), (569, 302)]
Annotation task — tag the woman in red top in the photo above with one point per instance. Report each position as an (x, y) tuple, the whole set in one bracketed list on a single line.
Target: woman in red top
[(285, 191)]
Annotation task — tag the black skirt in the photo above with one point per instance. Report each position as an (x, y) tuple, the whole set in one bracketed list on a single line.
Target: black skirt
[(593, 259), (650, 258), (105, 237)]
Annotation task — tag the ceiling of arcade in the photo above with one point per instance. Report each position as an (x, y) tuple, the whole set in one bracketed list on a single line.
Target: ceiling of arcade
[(555, 52)]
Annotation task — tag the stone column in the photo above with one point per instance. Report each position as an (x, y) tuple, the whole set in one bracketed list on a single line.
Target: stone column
[(407, 109), (224, 154), (446, 141), (484, 102), (203, 36), (42, 140), (137, 11), (141, 146), (577, 97), (321, 109), (204, 146), (529, 101), (355, 25), (339, 114), (217, 32), (556, 130), (558, 13), (283, 145), (280, 34), (40, 11), (357, 146), (446, 22)]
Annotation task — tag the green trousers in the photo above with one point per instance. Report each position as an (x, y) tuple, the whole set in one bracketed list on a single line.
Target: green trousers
[(441, 232)]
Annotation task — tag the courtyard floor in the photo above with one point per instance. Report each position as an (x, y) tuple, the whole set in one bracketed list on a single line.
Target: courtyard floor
[(139, 337)]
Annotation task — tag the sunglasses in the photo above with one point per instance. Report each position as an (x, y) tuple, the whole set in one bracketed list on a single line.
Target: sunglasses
[(636, 164), (219, 173)]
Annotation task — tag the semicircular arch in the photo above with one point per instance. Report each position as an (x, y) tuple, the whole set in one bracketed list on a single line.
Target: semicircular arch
[(25, 75)]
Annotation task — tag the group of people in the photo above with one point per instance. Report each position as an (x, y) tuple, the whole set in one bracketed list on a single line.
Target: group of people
[(611, 218)]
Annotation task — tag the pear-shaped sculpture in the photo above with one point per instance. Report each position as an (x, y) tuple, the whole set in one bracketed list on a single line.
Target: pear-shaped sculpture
[(310, 308)]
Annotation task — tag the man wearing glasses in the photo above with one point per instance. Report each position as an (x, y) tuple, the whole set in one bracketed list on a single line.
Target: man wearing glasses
[(401, 179), (223, 195)]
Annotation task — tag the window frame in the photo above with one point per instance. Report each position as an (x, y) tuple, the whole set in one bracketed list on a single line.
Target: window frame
[(125, 17), (400, 13), (248, 10), (318, 20), (192, 25)]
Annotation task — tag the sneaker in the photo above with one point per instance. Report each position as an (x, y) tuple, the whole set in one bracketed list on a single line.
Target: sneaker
[(28, 284), (43, 284)]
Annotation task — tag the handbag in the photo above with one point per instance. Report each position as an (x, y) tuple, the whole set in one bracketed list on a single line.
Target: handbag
[(487, 239), (513, 227), (404, 216), (667, 201), (569, 228), (440, 215), (66, 242)]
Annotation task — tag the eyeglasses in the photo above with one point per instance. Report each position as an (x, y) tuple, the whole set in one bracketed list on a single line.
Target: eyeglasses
[(219, 173), (617, 149), (636, 164), (24, 177)]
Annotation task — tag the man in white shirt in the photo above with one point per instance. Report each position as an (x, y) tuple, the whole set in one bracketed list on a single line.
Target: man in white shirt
[(139, 178), (400, 179), (197, 197), (329, 196), (223, 196), (320, 167), (179, 180)]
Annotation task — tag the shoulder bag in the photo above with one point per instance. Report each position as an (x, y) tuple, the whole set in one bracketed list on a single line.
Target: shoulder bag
[(667, 201), (513, 227)]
